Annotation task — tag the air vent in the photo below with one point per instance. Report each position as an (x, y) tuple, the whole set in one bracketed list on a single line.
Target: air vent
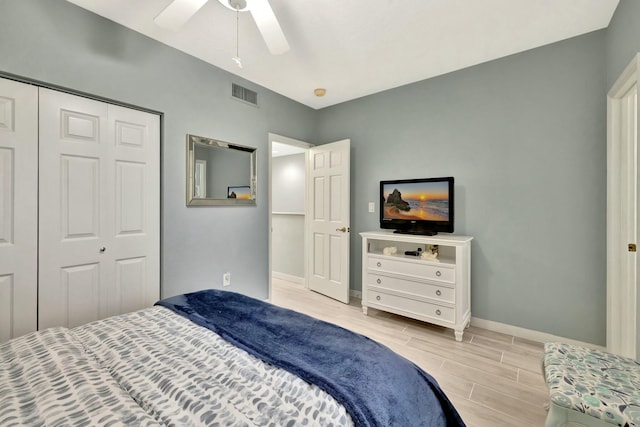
[(244, 94)]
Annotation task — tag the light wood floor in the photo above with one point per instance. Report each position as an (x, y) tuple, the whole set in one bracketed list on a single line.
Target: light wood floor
[(493, 379)]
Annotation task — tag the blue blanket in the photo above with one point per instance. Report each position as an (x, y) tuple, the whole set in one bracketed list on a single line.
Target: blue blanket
[(376, 386)]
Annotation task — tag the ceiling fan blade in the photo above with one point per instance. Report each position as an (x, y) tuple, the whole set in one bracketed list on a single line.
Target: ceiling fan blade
[(174, 16), (268, 25)]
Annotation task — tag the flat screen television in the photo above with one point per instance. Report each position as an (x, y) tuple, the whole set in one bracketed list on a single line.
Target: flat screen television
[(417, 206)]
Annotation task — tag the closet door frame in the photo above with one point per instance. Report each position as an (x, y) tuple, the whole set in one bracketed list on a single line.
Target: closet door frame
[(27, 310)]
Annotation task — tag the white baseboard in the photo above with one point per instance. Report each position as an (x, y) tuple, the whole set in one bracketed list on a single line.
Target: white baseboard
[(288, 277), (528, 334), (490, 325)]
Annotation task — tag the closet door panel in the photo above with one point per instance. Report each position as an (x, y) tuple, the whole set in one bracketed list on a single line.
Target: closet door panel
[(73, 288), (80, 283), (7, 310), (80, 196), (136, 209), (99, 181), (18, 208), (7, 185), (131, 283)]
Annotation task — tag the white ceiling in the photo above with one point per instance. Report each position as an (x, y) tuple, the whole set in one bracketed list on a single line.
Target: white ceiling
[(355, 48)]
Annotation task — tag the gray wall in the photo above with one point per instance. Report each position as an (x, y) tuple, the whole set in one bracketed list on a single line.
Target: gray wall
[(288, 249), (288, 196), (623, 38), (58, 43), (288, 182), (524, 137)]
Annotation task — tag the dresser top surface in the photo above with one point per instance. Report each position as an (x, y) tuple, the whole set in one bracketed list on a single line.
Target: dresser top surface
[(444, 239)]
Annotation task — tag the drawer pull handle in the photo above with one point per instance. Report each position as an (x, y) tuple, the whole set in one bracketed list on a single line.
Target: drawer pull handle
[(438, 292), (438, 273), (378, 281), (379, 264), (378, 297), (438, 312)]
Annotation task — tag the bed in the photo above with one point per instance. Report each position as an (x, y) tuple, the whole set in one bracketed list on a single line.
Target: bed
[(213, 358)]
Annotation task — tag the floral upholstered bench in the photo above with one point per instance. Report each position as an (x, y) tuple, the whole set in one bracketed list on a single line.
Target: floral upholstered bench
[(590, 387)]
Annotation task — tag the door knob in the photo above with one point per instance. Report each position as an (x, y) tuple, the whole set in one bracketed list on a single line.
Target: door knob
[(343, 229)]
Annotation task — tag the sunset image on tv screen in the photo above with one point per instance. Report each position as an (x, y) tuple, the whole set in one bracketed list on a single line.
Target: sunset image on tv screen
[(240, 193), (416, 201)]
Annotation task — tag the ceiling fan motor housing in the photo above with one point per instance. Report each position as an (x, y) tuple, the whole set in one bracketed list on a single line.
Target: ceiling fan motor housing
[(235, 5)]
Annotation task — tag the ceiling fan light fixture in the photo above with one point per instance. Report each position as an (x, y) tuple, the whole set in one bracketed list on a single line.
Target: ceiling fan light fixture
[(235, 5)]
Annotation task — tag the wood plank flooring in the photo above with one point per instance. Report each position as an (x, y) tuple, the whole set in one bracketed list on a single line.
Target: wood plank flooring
[(493, 379)]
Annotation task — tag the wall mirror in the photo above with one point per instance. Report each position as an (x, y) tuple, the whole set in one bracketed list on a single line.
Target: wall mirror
[(220, 173)]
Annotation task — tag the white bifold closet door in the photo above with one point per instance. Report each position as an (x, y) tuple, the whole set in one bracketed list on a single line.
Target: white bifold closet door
[(99, 210), (18, 208)]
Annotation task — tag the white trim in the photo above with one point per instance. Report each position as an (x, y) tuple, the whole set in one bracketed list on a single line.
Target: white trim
[(621, 214), (288, 277), (528, 334), (287, 213)]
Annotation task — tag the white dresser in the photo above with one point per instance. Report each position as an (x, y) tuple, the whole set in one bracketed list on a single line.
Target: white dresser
[(435, 291)]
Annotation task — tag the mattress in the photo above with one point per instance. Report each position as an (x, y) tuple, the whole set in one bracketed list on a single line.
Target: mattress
[(213, 358), (150, 367)]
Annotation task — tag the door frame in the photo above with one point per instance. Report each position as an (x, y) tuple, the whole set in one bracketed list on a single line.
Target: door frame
[(622, 216), (305, 146)]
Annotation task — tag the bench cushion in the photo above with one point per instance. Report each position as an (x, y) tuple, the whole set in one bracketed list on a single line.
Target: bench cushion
[(603, 385)]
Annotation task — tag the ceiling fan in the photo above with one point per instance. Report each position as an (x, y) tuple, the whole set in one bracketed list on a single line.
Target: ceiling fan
[(178, 12)]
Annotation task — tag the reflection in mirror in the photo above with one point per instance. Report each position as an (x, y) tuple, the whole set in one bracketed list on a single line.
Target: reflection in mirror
[(220, 173)]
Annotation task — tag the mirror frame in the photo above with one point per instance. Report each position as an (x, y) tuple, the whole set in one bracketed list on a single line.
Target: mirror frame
[(192, 140)]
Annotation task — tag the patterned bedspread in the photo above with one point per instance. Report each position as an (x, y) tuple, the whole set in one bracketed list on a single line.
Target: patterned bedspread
[(150, 367)]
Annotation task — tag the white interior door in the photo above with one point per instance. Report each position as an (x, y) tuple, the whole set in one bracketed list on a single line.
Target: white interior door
[(622, 213), (18, 208), (99, 210), (329, 213), (200, 182)]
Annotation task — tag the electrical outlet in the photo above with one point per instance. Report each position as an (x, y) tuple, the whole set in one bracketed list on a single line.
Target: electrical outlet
[(226, 279)]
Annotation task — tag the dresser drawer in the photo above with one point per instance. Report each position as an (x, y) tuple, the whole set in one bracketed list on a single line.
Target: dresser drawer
[(443, 273), (411, 306), (440, 293)]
